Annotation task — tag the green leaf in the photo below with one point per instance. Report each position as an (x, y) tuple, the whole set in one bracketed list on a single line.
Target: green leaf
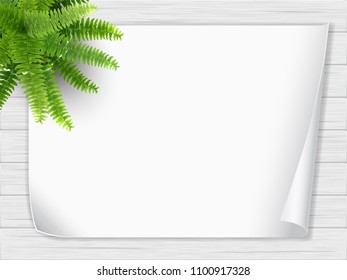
[(56, 105), (73, 75), (93, 29), (4, 51), (70, 14), (26, 5), (70, 2), (7, 84), (27, 55), (41, 23), (60, 46), (45, 5), (9, 2), (10, 17), (38, 24)]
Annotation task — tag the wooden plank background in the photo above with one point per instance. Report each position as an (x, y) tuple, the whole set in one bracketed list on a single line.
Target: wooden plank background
[(328, 228)]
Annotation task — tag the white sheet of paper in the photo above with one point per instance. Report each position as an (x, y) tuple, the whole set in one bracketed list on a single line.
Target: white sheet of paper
[(204, 131)]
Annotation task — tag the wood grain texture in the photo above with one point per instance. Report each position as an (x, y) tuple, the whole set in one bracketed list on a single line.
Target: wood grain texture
[(331, 146), (336, 49), (330, 179), (28, 244), (328, 233), (183, 12), (335, 81), (14, 179), (333, 114)]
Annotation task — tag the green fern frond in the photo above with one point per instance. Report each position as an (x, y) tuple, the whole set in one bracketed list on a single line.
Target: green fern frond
[(7, 84), (70, 2), (45, 5), (4, 54), (9, 2), (38, 24), (73, 75), (41, 38), (93, 29), (27, 5), (60, 46), (32, 82), (41, 23), (67, 15), (10, 17), (25, 49), (27, 55), (56, 105)]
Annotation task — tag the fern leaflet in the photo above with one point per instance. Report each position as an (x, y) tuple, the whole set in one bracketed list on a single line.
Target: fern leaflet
[(93, 29), (7, 84), (60, 46), (73, 75), (56, 106), (41, 23), (27, 54)]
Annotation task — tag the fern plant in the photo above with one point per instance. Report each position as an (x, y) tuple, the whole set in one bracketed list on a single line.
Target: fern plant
[(42, 38)]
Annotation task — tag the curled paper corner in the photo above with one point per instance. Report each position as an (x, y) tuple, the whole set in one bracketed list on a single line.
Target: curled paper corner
[(297, 208), (45, 222)]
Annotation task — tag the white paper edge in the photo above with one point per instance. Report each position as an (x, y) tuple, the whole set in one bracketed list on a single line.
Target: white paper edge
[(298, 204)]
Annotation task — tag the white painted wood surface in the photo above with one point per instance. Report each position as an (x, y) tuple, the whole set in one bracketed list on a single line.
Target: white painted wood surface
[(27, 244), (328, 228)]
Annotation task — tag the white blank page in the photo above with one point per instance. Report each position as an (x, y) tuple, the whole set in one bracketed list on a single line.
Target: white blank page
[(203, 131)]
